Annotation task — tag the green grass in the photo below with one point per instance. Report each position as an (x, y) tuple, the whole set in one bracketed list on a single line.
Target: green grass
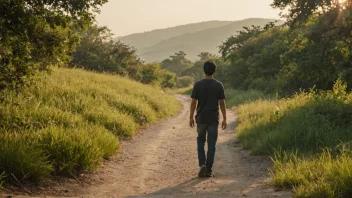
[(304, 122), (237, 97), (2, 176), (185, 90), (71, 120), (324, 175), (234, 97), (306, 135)]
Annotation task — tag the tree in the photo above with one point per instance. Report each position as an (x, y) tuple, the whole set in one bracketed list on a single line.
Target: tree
[(99, 51), (196, 71), (205, 56), (301, 10), (169, 80), (177, 63), (36, 34), (236, 42)]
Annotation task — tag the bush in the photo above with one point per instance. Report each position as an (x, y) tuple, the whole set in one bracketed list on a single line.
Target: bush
[(168, 80), (184, 81)]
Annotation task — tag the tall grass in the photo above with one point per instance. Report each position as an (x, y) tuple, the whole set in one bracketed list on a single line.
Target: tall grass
[(236, 97), (324, 175), (304, 135), (2, 176), (71, 120)]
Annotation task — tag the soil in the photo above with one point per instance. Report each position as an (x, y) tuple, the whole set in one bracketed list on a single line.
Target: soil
[(161, 161)]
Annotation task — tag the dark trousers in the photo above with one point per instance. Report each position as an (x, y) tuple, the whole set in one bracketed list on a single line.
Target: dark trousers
[(212, 131)]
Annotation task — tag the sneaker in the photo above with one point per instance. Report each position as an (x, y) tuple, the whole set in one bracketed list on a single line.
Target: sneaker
[(209, 173), (202, 171)]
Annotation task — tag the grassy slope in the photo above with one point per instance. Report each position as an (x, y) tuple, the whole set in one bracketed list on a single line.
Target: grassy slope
[(308, 137), (72, 120)]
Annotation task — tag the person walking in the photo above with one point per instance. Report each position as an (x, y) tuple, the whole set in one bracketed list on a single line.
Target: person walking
[(207, 95)]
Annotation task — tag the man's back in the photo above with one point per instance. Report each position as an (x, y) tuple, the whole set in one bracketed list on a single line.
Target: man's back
[(208, 92)]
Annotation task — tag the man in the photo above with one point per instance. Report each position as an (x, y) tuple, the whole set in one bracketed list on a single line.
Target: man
[(208, 93)]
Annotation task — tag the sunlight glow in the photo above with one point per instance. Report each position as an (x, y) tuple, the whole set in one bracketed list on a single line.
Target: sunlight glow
[(342, 4)]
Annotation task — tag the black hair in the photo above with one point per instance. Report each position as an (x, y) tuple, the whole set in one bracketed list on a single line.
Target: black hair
[(209, 68)]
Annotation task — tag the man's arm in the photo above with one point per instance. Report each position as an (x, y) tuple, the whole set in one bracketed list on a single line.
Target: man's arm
[(223, 111), (192, 110)]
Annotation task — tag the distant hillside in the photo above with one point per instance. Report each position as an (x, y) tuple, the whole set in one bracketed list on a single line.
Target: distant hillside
[(163, 53), (146, 39), (208, 38)]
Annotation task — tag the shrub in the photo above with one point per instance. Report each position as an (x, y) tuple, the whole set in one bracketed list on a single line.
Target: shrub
[(184, 81)]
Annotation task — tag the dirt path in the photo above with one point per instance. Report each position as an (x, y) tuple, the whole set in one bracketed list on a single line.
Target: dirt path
[(161, 161)]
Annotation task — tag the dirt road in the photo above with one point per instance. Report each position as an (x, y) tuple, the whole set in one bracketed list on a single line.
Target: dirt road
[(161, 161)]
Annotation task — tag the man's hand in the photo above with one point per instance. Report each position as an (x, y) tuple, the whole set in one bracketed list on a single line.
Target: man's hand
[(191, 123), (224, 125)]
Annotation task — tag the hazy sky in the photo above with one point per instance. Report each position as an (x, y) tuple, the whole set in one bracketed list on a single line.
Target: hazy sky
[(134, 16)]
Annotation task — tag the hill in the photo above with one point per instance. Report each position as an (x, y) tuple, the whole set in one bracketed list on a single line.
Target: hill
[(146, 39), (206, 39), (71, 120)]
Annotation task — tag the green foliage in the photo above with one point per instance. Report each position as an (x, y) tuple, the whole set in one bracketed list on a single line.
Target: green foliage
[(301, 10), (21, 159), (327, 175), (35, 35), (72, 120), (294, 131), (254, 57), (307, 122), (184, 81), (237, 97), (176, 63), (71, 151), (169, 80), (99, 51), (2, 176), (315, 50), (196, 71)]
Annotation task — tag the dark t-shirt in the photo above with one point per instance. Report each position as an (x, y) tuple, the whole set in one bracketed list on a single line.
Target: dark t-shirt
[(208, 92)]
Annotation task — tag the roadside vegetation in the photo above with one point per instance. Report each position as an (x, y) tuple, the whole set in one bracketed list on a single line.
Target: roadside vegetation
[(305, 64), (308, 137), (65, 121), (71, 120)]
